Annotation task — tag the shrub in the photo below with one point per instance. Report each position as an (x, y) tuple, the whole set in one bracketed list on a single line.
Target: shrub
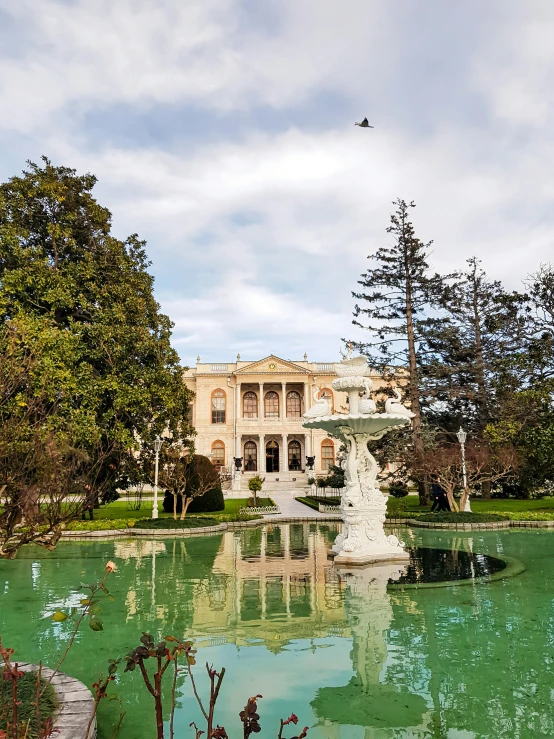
[(255, 483), (448, 517), (202, 471), (170, 523), (335, 481), (396, 508), (398, 489)]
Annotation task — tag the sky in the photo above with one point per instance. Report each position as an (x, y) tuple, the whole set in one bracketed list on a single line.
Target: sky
[(221, 131)]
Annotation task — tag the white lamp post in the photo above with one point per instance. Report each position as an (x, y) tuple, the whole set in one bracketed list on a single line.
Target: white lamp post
[(462, 436), (157, 446)]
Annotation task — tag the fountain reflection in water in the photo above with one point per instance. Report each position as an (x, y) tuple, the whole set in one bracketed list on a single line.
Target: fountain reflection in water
[(423, 662), (366, 700)]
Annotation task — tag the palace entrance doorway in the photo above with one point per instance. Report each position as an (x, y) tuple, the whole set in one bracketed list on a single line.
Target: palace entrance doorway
[(272, 456)]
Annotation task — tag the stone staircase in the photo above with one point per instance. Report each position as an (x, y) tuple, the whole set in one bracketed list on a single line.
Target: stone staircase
[(277, 482)]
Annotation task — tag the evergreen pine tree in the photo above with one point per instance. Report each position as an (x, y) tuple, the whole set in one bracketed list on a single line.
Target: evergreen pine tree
[(394, 308), (480, 325)]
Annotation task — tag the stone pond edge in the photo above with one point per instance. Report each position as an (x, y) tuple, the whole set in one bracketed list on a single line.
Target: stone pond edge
[(75, 704), (237, 525)]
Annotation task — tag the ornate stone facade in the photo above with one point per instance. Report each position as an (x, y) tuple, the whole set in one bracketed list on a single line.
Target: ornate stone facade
[(254, 411)]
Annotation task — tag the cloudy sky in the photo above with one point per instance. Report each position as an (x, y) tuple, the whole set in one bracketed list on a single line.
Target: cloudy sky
[(222, 132)]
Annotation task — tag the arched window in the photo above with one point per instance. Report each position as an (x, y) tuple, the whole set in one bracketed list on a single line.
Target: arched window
[(328, 395), (293, 405), (218, 455), (327, 454), (271, 405), (250, 405), (218, 406), (295, 456), (250, 456)]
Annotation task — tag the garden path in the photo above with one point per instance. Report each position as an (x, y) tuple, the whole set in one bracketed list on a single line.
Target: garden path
[(291, 508)]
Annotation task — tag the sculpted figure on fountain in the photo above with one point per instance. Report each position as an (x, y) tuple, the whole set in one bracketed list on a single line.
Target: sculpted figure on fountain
[(363, 505)]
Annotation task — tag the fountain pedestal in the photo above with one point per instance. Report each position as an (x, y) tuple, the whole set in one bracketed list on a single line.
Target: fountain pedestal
[(363, 505)]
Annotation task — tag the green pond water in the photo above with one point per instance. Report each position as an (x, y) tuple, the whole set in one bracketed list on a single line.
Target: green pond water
[(352, 656)]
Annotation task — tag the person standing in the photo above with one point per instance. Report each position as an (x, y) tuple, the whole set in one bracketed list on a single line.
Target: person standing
[(440, 498)]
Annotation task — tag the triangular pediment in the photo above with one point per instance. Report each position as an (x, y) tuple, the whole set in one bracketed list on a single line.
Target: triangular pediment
[(272, 365)]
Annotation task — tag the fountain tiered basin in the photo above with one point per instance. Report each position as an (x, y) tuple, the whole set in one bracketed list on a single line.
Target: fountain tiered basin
[(363, 505)]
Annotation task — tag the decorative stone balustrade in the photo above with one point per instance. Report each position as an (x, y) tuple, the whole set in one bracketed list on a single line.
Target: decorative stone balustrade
[(260, 510), (326, 508)]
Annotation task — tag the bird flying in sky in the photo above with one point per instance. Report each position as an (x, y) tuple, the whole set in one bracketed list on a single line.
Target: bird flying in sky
[(363, 124)]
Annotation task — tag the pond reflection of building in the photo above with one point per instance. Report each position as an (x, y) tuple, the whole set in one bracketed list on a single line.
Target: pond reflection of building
[(273, 584)]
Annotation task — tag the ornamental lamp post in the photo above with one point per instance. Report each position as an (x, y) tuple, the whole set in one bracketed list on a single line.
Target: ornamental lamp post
[(462, 436), (157, 446)]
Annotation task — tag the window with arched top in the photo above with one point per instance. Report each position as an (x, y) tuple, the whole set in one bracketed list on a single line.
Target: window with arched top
[(250, 456), (250, 405), (271, 405), (327, 454), (328, 395), (219, 399), (295, 455), (218, 454), (294, 409)]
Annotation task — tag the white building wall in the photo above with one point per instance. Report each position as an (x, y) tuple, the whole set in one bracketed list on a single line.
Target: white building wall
[(261, 376)]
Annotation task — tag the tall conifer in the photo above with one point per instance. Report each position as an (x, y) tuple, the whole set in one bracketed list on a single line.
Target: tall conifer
[(394, 304)]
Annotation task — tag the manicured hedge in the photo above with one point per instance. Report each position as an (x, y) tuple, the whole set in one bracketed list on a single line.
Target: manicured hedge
[(458, 517)]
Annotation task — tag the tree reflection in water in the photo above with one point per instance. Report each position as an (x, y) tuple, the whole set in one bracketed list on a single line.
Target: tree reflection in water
[(473, 662)]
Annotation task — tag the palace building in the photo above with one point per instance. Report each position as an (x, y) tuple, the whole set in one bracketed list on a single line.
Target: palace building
[(254, 410)]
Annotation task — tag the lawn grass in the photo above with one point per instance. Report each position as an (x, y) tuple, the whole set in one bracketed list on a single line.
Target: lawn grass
[(26, 693), (494, 505), (508, 508), (118, 510), (116, 515)]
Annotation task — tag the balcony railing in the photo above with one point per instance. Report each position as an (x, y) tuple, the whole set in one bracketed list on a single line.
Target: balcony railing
[(326, 367), (262, 419)]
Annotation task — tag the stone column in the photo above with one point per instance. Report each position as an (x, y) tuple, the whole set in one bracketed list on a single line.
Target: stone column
[(307, 401), (283, 413), (285, 463), (237, 474), (261, 454), (307, 445), (261, 407), (237, 416)]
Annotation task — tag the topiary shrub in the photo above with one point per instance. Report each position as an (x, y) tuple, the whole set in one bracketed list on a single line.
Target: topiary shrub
[(255, 484), (398, 489), (213, 500)]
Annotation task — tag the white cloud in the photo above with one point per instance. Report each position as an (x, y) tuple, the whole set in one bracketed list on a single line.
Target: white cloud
[(318, 198), (80, 55)]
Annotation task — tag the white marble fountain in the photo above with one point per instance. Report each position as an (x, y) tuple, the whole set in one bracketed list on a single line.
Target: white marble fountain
[(363, 505)]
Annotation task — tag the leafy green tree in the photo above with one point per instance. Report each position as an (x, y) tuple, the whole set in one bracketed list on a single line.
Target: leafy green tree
[(524, 385), (395, 308), (83, 302)]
